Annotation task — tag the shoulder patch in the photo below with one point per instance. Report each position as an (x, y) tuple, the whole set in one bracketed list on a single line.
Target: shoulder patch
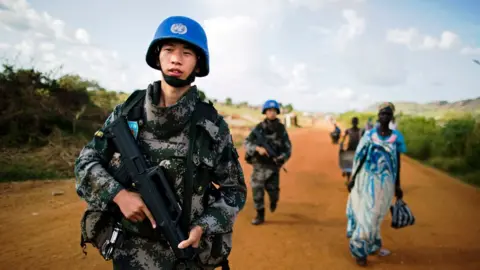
[(133, 125), (99, 134)]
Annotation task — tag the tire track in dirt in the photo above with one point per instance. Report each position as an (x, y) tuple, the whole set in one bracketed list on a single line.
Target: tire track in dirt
[(41, 231)]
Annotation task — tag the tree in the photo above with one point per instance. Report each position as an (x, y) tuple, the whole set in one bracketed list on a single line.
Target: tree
[(228, 101), (288, 108), (75, 82)]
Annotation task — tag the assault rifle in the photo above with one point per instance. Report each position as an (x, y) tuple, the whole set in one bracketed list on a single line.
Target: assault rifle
[(152, 186), (262, 142)]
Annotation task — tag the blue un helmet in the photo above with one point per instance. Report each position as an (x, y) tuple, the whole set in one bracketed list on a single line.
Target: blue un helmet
[(271, 104), (183, 29)]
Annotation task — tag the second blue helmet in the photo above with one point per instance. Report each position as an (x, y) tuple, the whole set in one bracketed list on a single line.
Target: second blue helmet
[(183, 29), (271, 104)]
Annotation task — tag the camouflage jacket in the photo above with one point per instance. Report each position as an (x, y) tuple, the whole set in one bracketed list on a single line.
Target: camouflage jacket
[(276, 136), (164, 140)]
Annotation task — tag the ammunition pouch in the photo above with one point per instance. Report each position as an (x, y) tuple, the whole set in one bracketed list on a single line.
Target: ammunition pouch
[(214, 250), (103, 231)]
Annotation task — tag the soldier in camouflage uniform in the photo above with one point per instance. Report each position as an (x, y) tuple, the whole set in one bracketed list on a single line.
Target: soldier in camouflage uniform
[(179, 50), (266, 169)]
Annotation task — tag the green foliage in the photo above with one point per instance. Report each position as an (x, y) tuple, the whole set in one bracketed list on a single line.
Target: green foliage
[(346, 118), (451, 144), (455, 133), (202, 95), (287, 108), (228, 101), (472, 144), (38, 113), (444, 109), (421, 136), (107, 100), (33, 105), (46, 121)]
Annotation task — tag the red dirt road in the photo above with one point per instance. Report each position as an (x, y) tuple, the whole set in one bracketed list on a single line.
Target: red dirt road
[(41, 231)]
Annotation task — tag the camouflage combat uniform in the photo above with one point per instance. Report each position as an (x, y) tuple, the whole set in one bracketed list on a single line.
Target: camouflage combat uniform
[(266, 174), (164, 140)]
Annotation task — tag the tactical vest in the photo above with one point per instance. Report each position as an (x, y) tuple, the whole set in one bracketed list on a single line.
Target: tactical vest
[(273, 139), (133, 110)]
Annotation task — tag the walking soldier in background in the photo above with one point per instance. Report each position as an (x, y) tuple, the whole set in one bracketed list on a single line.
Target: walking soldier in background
[(268, 147)]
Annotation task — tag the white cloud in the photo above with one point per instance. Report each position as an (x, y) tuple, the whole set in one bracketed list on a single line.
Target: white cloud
[(232, 39), (47, 46), (377, 63), (404, 37), (354, 27), (414, 40), (345, 97), (19, 16), (311, 4), (341, 93), (470, 51), (261, 10), (49, 57), (318, 4), (234, 53), (26, 47), (448, 40), (51, 44), (320, 30), (4, 46), (82, 36), (257, 50), (298, 80)]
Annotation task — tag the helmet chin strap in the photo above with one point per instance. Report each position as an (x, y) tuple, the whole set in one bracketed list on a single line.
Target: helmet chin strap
[(177, 82)]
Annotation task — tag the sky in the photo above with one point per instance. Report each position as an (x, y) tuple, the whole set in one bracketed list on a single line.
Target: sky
[(319, 55)]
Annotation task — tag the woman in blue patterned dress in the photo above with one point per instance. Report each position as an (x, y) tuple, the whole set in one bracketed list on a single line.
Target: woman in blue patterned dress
[(377, 180)]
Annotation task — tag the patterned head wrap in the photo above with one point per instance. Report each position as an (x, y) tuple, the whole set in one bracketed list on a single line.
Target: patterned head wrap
[(385, 105)]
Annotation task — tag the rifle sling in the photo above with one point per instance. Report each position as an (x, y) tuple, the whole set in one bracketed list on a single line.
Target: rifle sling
[(188, 178)]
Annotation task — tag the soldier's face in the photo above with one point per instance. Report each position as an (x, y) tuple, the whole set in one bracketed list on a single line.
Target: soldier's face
[(271, 114), (177, 59)]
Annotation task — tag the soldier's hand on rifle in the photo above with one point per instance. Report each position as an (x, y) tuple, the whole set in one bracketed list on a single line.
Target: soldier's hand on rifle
[(193, 238), (262, 151), (133, 207)]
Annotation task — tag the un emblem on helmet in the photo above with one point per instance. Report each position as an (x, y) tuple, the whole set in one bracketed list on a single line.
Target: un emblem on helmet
[(178, 28)]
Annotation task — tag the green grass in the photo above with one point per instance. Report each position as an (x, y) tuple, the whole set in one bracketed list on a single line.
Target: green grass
[(238, 110)]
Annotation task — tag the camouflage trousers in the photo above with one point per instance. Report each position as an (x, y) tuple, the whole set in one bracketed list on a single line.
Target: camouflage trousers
[(139, 253), (265, 178)]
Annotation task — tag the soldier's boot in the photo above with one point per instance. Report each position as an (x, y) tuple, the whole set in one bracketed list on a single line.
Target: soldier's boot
[(361, 261), (260, 218), (273, 206)]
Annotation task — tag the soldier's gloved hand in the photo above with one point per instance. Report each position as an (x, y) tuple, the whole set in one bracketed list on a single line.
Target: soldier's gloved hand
[(133, 207), (193, 238), (262, 151)]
